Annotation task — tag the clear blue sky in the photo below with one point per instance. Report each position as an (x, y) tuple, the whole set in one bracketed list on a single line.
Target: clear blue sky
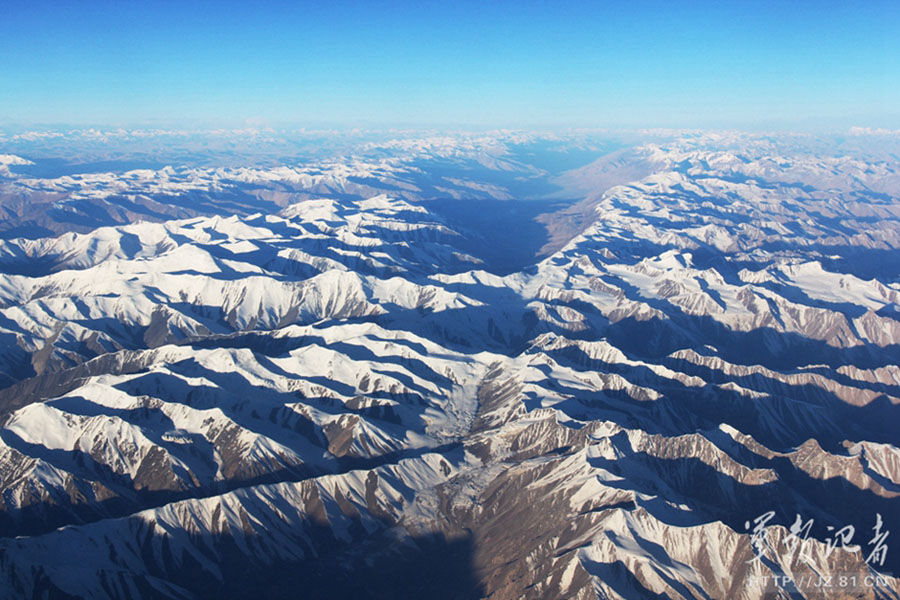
[(452, 63)]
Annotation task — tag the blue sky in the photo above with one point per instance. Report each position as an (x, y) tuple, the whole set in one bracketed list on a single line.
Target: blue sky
[(785, 64)]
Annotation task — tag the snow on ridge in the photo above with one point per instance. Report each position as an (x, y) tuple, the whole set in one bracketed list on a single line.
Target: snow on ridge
[(12, 159)]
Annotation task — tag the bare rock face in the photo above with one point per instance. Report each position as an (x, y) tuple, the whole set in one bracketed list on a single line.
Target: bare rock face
[(694, 393)]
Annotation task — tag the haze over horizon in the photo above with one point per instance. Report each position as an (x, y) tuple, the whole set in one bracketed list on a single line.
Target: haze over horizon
[(648, 64)]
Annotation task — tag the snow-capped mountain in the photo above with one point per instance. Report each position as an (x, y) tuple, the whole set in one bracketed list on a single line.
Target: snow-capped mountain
[(315, 380)]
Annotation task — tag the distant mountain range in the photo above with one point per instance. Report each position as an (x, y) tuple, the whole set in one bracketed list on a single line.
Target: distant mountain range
[(503, 365)]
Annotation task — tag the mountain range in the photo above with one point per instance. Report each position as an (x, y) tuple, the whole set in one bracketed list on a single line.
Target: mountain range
[(498, 365)]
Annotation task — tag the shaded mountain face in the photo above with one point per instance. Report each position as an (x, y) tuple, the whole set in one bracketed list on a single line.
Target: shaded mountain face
[(453, 367)]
